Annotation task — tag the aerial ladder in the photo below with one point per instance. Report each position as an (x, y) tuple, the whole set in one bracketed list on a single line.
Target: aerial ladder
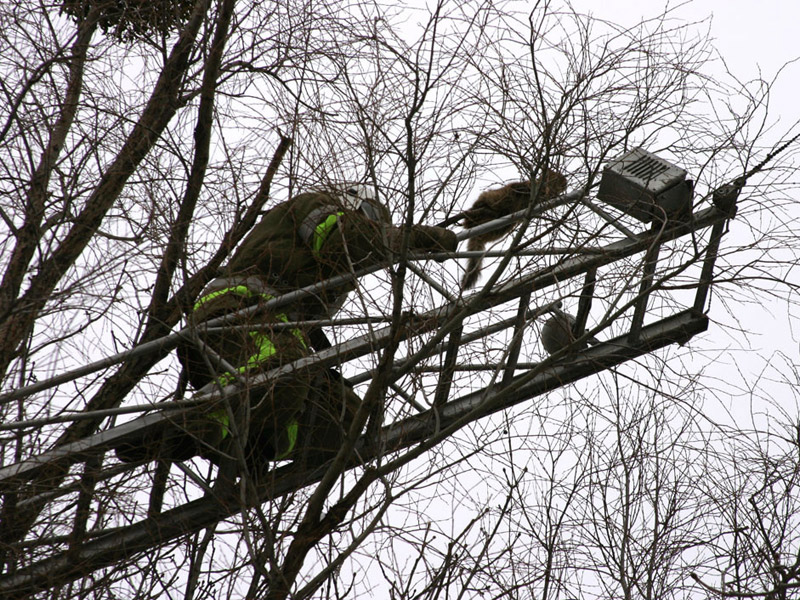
[(643, 204)]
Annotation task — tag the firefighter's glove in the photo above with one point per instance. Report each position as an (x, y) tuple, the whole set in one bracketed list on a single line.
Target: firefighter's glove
[(433, 239), (423, 238)]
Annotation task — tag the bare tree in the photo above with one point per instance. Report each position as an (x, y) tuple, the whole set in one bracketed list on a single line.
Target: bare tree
[(140, 144)]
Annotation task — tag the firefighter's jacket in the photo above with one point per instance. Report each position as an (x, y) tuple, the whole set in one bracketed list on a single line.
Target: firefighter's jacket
[(307, 240), (301, 242), (237, 351)]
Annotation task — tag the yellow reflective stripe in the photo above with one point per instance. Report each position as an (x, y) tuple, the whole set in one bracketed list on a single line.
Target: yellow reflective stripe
[(291, 431), (221, 416), (323, 230), (239, 289), (242, 290), (225, 379), (295, 332), (299, 335), (245, 291), (265, 349)]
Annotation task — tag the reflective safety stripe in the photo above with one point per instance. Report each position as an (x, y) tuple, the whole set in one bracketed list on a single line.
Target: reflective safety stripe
[(242, 290), (291, 432), (307, 226), (248, 293), (239, 289), (221, 417), (265, 349), (225, 379), (323, 230)]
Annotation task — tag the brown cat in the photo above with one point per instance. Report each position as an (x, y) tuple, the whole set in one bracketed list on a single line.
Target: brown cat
[(496, 203)]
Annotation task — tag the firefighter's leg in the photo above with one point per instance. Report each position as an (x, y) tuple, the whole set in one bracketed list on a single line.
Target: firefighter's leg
[(275, 420), (144, 446), (327, 418), (199, 431)]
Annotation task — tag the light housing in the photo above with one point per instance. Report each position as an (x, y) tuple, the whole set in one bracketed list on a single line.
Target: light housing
[(645, 186)]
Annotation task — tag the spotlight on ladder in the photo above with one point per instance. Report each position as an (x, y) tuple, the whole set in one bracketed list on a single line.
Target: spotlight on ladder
[(646, 186)]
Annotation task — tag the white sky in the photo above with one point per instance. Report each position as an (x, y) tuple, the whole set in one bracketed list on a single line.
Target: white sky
[(755, 38)]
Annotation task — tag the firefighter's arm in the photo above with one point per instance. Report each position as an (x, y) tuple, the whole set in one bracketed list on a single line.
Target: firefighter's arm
[(424, 238), (335, 229), (366, 236)]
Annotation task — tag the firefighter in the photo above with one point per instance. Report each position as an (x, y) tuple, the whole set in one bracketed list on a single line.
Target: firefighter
[(308, 239)]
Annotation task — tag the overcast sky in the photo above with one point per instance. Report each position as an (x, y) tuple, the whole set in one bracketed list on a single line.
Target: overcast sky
[(750, 36)]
